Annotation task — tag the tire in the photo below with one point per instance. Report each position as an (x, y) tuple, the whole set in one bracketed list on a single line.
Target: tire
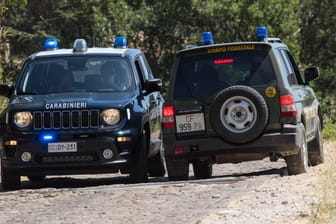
[(202, 170), (10, 180), (139, 174), (239, 114), (36, 178), (315, 147), (156, 166), (297, 164), (177, 169)]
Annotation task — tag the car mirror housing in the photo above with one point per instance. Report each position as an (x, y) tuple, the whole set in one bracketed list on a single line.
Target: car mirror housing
[(153, 85), (311, 74), (6, 90)]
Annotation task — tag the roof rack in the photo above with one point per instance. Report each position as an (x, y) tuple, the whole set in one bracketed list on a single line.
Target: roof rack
[(272, 40)]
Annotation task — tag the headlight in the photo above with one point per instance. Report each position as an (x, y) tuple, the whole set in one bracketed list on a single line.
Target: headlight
[(23, 119), (111, 116)]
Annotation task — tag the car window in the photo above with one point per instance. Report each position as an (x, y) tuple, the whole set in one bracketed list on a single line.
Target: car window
[(200, 76), (76, 74), (146, 69), (291, 71)]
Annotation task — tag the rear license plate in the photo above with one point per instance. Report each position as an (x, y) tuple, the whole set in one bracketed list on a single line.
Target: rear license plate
[(190, 122), (62, 147)]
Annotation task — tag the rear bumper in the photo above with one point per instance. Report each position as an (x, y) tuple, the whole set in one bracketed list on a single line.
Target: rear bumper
[(286, 142)]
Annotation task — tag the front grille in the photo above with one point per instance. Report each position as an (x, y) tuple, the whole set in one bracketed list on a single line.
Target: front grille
[(65, 119)]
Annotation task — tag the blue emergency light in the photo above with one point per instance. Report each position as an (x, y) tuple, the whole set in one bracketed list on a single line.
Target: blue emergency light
[(262, 33), (207, 38), (120, 42), (47, 137), (50, 44)]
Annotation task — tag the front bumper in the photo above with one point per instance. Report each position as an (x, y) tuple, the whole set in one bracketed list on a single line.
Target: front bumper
[(88, 158), (286, 142)]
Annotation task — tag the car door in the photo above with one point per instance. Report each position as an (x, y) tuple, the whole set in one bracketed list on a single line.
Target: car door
[(155, 101)]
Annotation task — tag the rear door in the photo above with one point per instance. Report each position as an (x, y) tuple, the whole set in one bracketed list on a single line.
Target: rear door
[(303, 95)]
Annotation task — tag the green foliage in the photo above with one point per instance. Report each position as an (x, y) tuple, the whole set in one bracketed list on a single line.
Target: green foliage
[(161, 28), (329, 132)]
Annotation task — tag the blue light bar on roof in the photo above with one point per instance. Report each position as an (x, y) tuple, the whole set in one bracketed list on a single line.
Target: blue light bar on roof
[(50, 44), (120, 42), (262, 33), (207, 38)]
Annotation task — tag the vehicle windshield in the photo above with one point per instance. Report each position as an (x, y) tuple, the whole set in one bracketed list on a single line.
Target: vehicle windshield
[(76, 74), (202, 75)]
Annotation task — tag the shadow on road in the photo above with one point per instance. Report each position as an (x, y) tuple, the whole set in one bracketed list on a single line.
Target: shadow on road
[(100, 180)]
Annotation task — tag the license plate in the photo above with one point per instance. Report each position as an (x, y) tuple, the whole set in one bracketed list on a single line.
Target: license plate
[(190, 122), (62, 147)]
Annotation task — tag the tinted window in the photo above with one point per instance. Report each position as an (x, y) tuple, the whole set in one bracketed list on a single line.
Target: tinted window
[(200, 76), (76, 74)]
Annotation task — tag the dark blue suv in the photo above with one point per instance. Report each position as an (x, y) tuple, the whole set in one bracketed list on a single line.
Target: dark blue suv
[(79, 111)]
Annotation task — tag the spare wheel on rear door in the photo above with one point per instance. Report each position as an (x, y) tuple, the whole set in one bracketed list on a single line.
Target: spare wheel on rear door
[(239, 114)]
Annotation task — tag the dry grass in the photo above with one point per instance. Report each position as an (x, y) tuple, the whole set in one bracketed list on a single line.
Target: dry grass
[(325, 210)]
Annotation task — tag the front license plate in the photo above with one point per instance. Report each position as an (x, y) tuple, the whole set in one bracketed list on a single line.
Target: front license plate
[(62, 147), (190, 122)]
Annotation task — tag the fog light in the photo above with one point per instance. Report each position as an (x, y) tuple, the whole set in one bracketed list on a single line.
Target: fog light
[(26, 156), (107, 154), (11, 142), (124, 139)]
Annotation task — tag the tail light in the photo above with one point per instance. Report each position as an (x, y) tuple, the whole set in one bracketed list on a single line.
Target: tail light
[(168, 117), (287, 105)]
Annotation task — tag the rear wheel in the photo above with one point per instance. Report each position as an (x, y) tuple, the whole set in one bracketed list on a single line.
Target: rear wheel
[(139, 173), (177, 169), (37, 178), (297, 164), (10, 180), (202, 169), (315, 147)]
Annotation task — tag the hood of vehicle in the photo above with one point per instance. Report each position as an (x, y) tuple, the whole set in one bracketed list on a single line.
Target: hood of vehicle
[(71, 101)]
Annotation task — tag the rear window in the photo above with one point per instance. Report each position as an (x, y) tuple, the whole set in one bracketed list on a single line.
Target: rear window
[(202, 75)]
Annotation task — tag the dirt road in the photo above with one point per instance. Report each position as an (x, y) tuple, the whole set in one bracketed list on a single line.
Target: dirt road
[(251, 192)]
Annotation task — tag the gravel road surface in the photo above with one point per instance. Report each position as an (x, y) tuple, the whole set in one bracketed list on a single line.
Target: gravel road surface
[(249, 192)]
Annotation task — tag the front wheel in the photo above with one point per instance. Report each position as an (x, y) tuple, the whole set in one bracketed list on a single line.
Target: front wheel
[(10, 180), (139, 173), (297, 164), (156, 166), (315, 147)]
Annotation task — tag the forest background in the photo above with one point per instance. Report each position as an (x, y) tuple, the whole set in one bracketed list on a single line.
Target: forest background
[(160, 28)]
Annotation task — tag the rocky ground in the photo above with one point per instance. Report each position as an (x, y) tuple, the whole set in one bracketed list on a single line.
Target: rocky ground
[(251, 192)]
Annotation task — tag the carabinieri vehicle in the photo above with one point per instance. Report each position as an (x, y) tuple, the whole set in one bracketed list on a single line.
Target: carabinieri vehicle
[(240, 101), (80, 111)]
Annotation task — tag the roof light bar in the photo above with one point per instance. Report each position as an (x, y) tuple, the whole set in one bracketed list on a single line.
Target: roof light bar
[(120, 42), (207, 38), (50, 44), (79, 45), (262, 33)]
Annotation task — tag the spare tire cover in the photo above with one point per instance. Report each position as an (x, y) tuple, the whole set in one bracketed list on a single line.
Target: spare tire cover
[(239, 114)]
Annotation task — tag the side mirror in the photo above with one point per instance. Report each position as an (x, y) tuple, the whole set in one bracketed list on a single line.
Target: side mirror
[(6, 90), (153, 85), (311, 74)]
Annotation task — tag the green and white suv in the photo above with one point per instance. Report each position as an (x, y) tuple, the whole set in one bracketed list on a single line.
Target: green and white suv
[(241, 101)]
